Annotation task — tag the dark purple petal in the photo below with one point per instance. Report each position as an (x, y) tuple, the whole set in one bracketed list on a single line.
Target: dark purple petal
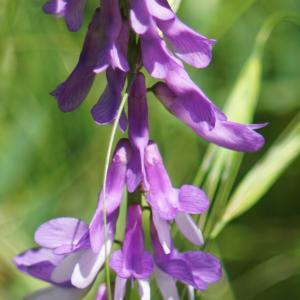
[(134, 176), (55, 7), (114, 33), (38, 263), (61, 233), (105, 110), (157, 59), (140, 17), (74, 90), (187, 44), (226, 134), (132, 261), (162, 197), (71, 10), (74, 14), (138, 114), (192, 200)]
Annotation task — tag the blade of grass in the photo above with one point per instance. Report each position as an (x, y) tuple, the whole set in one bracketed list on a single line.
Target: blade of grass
[(262, 176)]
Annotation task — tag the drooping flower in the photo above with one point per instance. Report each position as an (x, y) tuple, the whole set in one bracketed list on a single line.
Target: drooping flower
[(169, 203), (103, 47), (193, 268), (183, 102), (132, 261), (71, 10), (149, 16)]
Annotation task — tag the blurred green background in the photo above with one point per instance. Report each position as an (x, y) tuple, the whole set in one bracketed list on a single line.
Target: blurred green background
[(51, 163)]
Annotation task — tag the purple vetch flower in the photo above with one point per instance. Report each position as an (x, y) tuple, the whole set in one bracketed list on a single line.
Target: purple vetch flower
[(132, 261), (138, 132), (149, 16), (193, 268), (224, 133), (105, 110), (63, 244), (103, 47), (169, 203), (71, 10), (116, 182)]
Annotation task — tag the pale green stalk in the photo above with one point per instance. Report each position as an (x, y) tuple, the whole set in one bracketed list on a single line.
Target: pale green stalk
[(107, 161)]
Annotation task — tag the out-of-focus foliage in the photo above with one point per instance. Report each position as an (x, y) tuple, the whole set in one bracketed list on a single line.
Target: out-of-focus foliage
[(51, 163)]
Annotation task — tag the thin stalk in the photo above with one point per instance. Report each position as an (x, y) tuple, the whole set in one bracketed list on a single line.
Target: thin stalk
[(107, 161)]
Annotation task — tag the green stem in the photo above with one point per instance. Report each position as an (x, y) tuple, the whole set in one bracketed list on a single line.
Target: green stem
[(107, 161)]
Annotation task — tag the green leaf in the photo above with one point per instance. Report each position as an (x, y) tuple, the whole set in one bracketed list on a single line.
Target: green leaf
[(263, 175), (240, 107)]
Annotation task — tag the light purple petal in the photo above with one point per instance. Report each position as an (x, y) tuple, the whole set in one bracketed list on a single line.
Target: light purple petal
[(161, 195), (192, 200), (187, 44), (61, 233), (188, 227)]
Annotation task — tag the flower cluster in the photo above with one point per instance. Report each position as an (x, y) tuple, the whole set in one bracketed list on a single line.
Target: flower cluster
[(123, 37)]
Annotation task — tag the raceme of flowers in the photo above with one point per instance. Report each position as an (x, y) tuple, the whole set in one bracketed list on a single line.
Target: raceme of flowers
[(122, 38)]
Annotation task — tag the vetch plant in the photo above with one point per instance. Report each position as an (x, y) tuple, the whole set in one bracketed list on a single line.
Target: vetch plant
[(125, 39)]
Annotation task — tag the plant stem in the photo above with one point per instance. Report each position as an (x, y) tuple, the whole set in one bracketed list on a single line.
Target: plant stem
[(107, 161)]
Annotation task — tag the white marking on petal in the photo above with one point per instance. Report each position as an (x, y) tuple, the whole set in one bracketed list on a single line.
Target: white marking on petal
[(144, 289), (120, 288), (88, 266), (191, 293), (190, 230), (163, 230), (166, 285), (64, 270)]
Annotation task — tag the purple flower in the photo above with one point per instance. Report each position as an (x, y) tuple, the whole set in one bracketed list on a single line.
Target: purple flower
[(138, 132), (116, 181), (103, 47), (193, 268), (71, 10), (132, 261), (183, 100), (105, 110), (169, 203), (147, 16)]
